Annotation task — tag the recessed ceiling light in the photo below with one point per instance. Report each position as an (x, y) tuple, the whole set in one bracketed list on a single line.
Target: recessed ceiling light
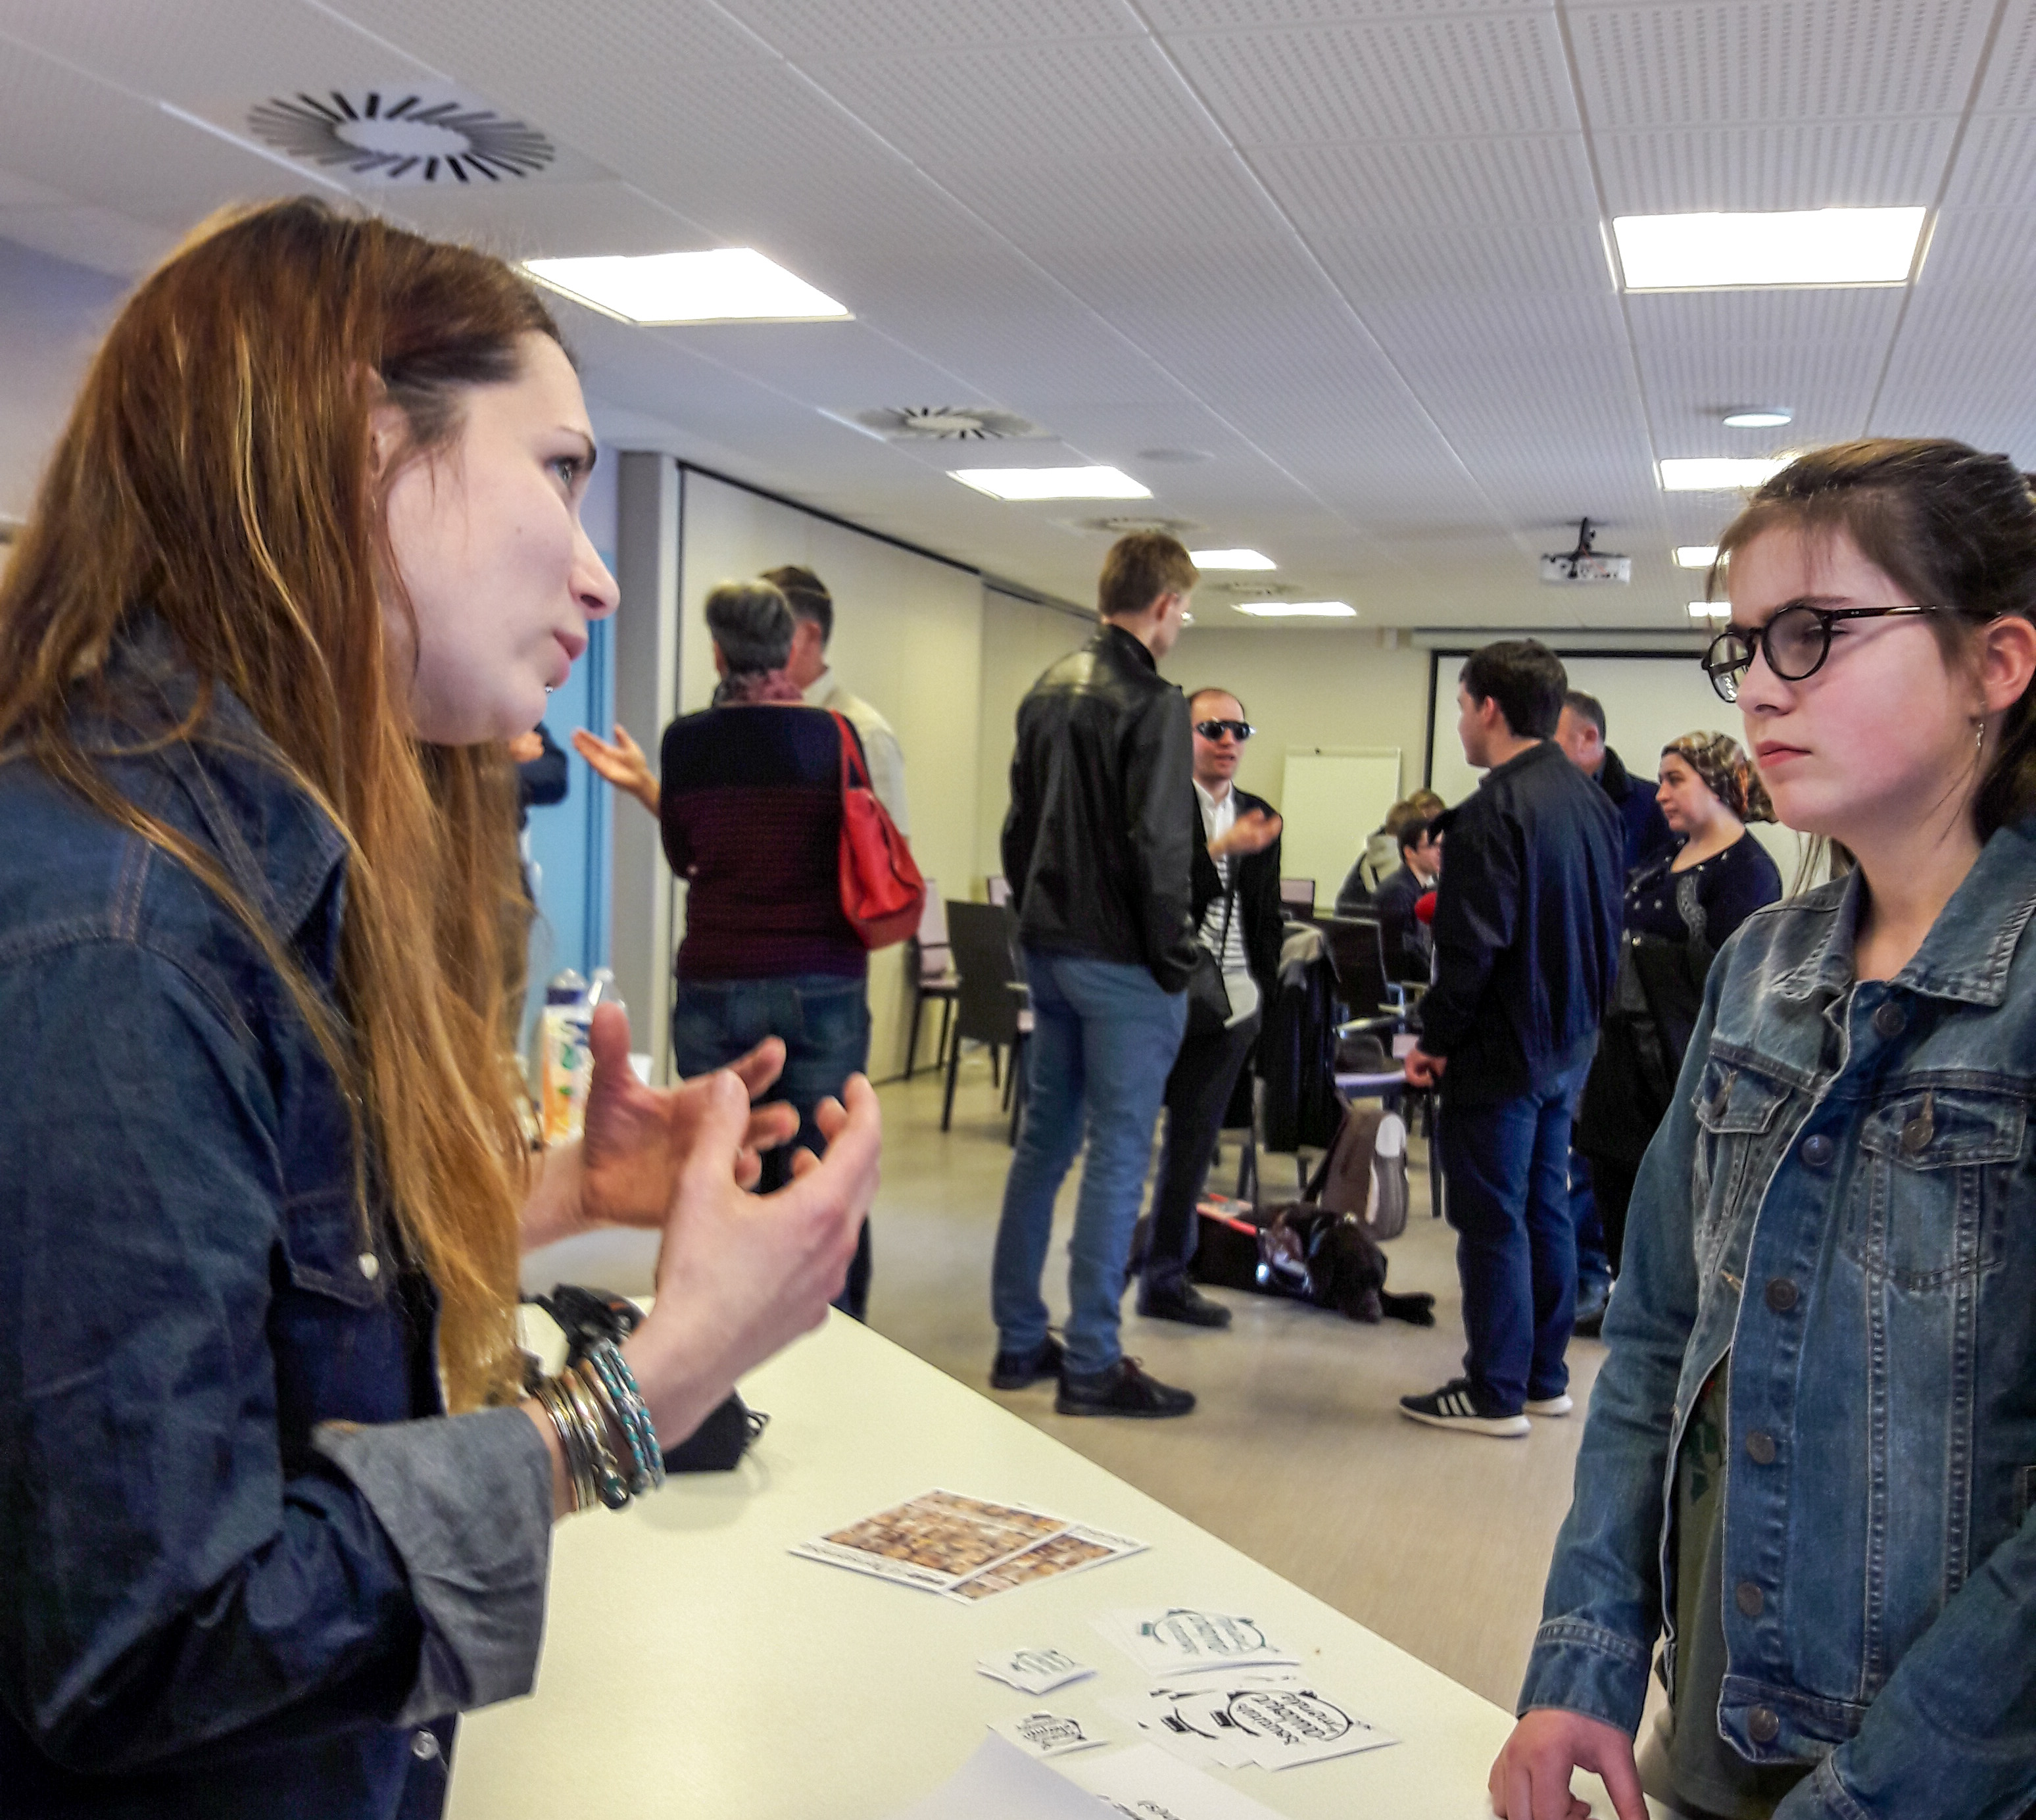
[(1298, 609), (1719, 473), (1696, 555), (1214, 559), (1710, 609), (1782, 246), (724, 284), (1767, 418), (1051, 483)]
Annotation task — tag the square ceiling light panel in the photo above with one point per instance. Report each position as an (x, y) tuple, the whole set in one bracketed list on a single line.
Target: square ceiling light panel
[(724, 284), (1298, 609), (1696, 555), (1024, 483), (1788, 247), (1219, 560), (1719, 473)]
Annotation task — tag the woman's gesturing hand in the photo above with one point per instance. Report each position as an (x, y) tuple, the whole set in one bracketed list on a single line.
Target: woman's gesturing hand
[(739, 1274), (623, 764), (637, 1138), (1531, 1779)]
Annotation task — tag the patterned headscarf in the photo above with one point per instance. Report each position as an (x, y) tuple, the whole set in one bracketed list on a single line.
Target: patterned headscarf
[(1722, 762)]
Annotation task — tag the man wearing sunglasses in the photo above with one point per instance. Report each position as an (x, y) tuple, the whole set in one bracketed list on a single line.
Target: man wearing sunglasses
[(1236, 882)]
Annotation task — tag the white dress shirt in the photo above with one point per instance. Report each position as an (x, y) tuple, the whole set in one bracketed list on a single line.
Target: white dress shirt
[(880, 743)]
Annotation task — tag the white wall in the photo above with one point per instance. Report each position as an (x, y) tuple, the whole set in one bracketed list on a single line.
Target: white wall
[(52, 315), (907, 638)]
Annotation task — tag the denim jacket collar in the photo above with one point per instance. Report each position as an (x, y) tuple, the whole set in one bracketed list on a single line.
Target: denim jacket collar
[(1966, 954), (276, 843)]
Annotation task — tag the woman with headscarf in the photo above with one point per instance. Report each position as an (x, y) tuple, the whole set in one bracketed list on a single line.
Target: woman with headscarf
[(1679, 909)]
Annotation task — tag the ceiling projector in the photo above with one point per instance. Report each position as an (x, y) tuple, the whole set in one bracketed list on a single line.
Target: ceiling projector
[(1584, 566)]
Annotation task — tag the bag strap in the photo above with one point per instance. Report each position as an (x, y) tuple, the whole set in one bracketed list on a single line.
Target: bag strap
[(849, 762)]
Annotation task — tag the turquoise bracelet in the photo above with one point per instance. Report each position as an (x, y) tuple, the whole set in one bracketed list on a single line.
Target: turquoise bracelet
[(632, 1415)]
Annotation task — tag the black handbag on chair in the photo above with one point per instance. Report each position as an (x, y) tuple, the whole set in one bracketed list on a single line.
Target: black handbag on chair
[(1208, 995)]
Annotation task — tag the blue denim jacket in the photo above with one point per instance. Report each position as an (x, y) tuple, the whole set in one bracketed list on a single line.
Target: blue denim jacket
[(1844, 1198), (208, 1602)]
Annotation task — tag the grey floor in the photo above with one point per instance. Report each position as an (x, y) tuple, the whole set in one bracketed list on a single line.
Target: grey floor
[(1295, 1454)]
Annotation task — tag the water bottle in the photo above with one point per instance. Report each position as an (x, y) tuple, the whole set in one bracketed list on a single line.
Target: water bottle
[(566, 1067)]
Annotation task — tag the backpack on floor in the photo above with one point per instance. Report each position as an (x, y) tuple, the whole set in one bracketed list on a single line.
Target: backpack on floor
[(1301, 1252), (1364, 1170)]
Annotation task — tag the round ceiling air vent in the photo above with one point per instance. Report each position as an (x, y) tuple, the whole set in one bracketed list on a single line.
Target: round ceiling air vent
[(947, 423), (401, 136), (1123, 524)]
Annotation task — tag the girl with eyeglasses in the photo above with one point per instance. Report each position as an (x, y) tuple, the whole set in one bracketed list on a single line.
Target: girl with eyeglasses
[(1810, 1465)]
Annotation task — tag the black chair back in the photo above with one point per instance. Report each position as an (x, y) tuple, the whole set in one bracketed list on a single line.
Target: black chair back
[(982, 938), (1357, 958)]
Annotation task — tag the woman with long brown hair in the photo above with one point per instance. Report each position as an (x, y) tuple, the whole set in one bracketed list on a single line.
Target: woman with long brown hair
[(274, 1503)]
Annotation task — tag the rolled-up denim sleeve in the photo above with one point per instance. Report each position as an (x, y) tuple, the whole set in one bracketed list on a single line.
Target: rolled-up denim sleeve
[(466, 1501), (182, 1583), (1601, 1610)]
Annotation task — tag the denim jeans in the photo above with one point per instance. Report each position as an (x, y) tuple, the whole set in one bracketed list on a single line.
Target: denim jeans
[(823, 1020), (1594, 1264), (1506, 1163), (1103, 1040)]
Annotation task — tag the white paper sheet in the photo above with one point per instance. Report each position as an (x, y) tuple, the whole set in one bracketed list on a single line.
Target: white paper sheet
[(1144, 1783), (1000, 1782), (1034, 1671), (1173, 1639), (1044, 1733)]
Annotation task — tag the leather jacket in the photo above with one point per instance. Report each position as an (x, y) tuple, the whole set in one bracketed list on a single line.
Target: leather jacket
[(1841, 1200), (1097, 847)]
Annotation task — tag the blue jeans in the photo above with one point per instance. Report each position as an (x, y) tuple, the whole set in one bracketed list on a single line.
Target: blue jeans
[(1594, 1258), (1506, 1163), (1103, 1040), (823, 1020)]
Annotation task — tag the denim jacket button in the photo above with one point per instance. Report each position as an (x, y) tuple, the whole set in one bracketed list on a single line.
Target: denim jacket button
[(1890, 1020), (1749, 1599), (424, 1746), (1817, 1150), (1782, 1294), (1760, 1447), (371, 1265), (1763, 1726)]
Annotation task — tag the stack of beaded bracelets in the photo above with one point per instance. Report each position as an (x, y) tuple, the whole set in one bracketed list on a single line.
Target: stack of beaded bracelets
[(582, 1403)]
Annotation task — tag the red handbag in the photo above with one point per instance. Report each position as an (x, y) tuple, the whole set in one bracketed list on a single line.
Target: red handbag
[(882, 892)]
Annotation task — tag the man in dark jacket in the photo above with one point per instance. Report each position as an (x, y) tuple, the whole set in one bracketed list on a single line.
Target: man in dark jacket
[(1404, 937), (1235, 840), (1097, 848), (1526, 933), (1580, 732)]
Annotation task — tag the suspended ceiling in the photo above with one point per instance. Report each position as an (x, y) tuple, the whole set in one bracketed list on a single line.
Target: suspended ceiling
[(1349, 257)]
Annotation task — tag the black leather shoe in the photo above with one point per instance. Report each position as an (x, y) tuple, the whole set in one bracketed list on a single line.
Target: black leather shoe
[(1593, 1301), (1183, 1303), (1013, 1371), (1124, 1389)]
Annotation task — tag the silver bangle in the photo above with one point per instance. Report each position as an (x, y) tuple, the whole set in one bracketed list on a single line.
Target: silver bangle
[(565, 1424), (610, 1486)]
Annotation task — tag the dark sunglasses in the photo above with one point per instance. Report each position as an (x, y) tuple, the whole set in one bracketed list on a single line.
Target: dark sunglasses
[(1240, 730), (1795, 642)]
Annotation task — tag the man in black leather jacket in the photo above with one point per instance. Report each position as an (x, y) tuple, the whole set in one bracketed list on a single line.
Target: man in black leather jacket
[(1236, 885), (1526, 933), (1097, 848)]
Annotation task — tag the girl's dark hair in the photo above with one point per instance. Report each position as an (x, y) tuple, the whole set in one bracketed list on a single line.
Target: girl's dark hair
[(1951, 527)]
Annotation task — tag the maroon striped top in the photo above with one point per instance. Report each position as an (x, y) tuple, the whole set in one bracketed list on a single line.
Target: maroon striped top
[(751, 810)]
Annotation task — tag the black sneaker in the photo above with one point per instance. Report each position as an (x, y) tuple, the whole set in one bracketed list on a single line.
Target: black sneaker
[(1593, 1300), (1185, 1303), (1457, 1405), (1123, 1389), (1013, 1371)]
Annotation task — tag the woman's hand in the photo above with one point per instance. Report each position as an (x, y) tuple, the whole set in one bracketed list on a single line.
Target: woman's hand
[(622, 764), (741, 1275), (1531, 1779), (625, 1168)]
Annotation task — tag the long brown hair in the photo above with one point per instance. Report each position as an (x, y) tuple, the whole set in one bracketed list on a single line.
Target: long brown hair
[(1954, 529), (216, 471)]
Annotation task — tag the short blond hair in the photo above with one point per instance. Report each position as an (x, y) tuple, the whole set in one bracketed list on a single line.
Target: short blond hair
[(1139, 569)]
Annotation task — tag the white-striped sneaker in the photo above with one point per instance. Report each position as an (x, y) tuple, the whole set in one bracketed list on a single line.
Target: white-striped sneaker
[(1560, 1404), (1455, 1405)]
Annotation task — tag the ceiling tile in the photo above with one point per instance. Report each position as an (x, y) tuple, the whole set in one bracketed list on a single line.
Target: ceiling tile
[(1406, 264), (1876, 163), (1179, 199), (2009, 83), (802, 31), (1467, 74), (1996, 164), (1430, 183), (1240, 15), (1787, 61)]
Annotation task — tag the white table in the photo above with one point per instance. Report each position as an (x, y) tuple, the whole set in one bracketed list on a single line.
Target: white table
[(692, 1666)]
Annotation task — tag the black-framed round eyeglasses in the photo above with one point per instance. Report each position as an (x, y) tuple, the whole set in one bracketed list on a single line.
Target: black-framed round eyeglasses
[(1795, 642), (1240, 730)]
